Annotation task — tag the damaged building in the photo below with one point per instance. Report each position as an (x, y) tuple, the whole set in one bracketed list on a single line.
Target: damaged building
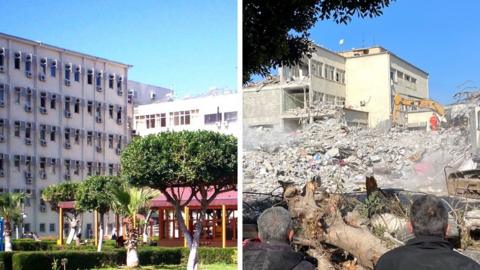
[(362, 81)]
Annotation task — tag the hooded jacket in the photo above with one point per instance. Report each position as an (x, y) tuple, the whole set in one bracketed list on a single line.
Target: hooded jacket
[(425, 252)]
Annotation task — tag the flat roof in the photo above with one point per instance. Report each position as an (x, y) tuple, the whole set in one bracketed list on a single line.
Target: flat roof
[(39, 43)]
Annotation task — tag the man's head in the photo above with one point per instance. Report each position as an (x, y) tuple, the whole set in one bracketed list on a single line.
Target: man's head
[(275, 224), (429, 217)]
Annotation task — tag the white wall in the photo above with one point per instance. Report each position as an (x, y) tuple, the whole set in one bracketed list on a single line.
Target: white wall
[(198, 108)]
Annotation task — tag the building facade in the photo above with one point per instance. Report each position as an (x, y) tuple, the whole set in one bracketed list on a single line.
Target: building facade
[(62, 118), (364, 81), (212, 112)]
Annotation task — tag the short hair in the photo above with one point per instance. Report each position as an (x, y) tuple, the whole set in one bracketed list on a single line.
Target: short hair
[(274, 224), (429, 216)]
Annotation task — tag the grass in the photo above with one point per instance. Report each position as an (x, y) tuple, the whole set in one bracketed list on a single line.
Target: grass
[(217, 266)]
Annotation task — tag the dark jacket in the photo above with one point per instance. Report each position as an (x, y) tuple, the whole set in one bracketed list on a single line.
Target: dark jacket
[(278, 256), (425, 252)]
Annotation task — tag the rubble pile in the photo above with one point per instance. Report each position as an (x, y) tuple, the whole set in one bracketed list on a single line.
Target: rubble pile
[(342, 156)]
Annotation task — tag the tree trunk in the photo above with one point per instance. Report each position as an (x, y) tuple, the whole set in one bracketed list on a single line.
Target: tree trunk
[(73, 223), (321, 221), (192, 256), (8, 235), (100, 234), (144, 234), (181, 224), (132, 255)]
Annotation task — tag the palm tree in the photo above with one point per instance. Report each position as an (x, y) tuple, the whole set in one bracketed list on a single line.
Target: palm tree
[(129, 201), (10, 210)]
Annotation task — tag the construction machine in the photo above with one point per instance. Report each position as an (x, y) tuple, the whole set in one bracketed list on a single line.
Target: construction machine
[(399, 101)]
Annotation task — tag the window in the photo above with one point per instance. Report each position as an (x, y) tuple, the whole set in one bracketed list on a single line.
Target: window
[(111, 81), (52, 227), (399, 75), (16, 162), (43, 130), (89, 137), (90, 107), (119, 114), (181, 118), (17, 129), (2, 57), (110, 141), (76, 75), (43, 100), (317, 68), (43, 162), (76, 169), (53, 102), (110, 111), (18, 94), (68, 71), (341, 101), (230, 116), (413, 80), (17, 60), (98, 81), (67, 104), (162, 119), (53, 68), (77, 136), (26, 226), (110, 169), (98, 112), (2, 93), (28, 130), (211, 119), (340, 76), (89, 168), (329, 72), (329, 99), (42, 227), (28, 65), (28, 97), (67, 135), (77, 105), (43, 66), (150, 119), (119, 84), (53, 131), (90, 76)]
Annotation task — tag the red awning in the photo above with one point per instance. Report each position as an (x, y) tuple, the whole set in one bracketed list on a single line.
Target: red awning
[(228, 198)]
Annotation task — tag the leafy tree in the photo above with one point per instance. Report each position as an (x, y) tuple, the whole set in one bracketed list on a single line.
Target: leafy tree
[(129, 201), (11, 211), (93, 195), (62, 192), (276, 32), (203, 161)]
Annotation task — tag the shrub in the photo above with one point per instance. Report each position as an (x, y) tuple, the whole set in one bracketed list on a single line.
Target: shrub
[(32, 245), (76, 259), (212, 255), (6, 260), (156, 256)]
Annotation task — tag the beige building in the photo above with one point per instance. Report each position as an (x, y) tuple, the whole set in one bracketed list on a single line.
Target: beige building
[(364, 81), (62, 118)]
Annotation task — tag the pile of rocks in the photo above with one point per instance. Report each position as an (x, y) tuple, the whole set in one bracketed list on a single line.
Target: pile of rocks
[(342, 156)]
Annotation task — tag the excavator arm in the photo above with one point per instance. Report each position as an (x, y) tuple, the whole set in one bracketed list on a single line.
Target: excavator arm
[(398, 101)]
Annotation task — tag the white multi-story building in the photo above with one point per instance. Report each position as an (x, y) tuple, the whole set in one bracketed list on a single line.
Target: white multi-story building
[(62, 118), (211, 112)]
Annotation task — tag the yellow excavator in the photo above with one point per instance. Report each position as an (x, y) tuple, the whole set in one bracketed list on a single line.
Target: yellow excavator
[(398, 101)]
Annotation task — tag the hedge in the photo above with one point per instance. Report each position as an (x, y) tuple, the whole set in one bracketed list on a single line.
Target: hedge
[(78, 259), (32, 245), (42, 260)]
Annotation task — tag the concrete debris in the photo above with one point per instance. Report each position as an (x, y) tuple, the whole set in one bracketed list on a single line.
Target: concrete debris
[(342, 156)]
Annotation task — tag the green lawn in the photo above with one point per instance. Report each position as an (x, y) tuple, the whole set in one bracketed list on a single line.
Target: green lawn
[(182, 267)]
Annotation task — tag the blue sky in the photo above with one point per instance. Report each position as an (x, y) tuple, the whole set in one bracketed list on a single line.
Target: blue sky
[(441, 37), (189, 46)]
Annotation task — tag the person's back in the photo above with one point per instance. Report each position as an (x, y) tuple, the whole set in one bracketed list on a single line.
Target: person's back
[(273, 251), (429, 249)]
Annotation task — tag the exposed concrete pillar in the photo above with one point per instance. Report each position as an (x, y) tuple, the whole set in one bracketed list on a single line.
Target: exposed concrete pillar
[(187, 224), (60, 226)]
